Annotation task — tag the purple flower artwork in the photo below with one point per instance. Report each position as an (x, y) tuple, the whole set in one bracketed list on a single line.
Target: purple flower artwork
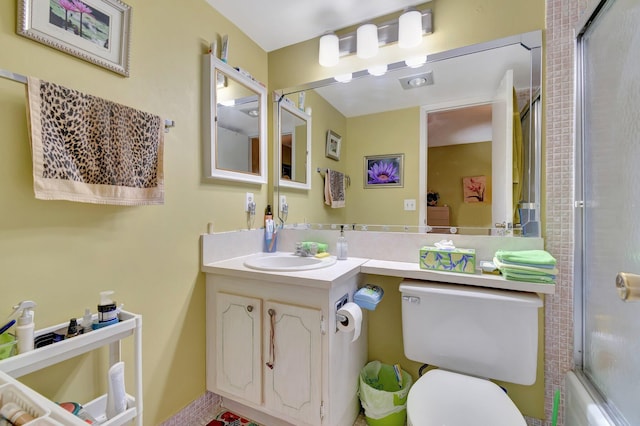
[(383, 170)]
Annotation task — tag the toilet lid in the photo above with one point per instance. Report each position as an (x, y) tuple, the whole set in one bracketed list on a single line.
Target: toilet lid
[(445, 398)]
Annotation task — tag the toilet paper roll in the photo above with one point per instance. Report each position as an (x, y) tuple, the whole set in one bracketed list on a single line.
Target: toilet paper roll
[(353, 321)]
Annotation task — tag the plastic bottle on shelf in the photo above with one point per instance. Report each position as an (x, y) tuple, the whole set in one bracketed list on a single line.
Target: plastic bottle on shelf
[(26, 326), (341, 246), (87, 321)]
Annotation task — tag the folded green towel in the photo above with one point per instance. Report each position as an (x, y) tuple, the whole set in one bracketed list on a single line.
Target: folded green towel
[(540, 279), (322, 247), (526, 257), (524, 268)]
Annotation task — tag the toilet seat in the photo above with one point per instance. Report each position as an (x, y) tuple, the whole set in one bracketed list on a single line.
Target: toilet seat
[(442, 397)]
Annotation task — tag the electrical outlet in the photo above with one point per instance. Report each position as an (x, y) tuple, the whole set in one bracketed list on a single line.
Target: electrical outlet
[(410, 204), (248, 200), (283, 201)]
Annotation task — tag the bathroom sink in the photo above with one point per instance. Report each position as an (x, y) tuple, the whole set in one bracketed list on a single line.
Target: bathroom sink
[(288, 262)]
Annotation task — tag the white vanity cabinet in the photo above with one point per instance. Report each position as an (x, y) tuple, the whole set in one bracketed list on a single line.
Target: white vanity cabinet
[(273, 349)]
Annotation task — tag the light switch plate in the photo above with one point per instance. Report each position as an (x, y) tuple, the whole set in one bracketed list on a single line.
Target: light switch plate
[(410, 204)]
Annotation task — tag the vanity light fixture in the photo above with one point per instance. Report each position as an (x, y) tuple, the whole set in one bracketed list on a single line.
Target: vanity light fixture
[(407, 30), (329, 53), (367, 41)]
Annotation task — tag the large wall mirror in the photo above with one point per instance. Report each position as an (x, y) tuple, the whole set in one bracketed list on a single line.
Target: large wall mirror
[(235, 131), (475, 138), (294, 134)]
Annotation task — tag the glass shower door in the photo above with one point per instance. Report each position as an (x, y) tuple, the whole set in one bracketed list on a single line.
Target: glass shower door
[(609, 77)]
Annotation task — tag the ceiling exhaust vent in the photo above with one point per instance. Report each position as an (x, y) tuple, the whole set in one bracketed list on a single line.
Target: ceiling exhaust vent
[(417, 80)]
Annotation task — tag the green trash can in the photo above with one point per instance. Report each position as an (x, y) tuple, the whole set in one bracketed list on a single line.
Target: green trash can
[(383, 399)]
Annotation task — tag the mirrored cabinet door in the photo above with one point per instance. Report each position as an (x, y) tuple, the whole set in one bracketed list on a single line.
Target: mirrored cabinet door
[(294, 134), (235, 131)]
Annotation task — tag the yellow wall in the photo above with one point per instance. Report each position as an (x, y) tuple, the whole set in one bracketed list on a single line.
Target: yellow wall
[(61, 254), (447, 165), (394, 132)]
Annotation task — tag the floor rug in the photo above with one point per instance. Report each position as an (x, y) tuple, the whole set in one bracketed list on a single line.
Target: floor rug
[(227, 418)]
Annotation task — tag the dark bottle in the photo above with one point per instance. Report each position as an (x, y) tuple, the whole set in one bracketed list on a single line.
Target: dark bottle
[(73, 329)]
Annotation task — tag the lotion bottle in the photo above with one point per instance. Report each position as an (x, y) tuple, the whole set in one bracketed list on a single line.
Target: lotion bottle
[(341, 246), (26, 326)]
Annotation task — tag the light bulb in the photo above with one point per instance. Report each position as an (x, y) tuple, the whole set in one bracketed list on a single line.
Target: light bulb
[(367, 41), (417, 82), (343, 78), (329, 51), (416, 61), (377, 70), (409, 29)]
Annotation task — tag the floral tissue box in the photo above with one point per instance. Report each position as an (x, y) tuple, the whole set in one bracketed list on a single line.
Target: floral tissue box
[(453, 260)]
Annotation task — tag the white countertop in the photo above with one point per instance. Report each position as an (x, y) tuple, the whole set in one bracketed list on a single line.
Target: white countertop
[(344, 269), (319, 278), (413, 271)]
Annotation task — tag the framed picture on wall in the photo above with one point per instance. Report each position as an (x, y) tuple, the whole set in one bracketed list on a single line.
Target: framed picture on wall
[(94, 30), (334, 141), (383, 171), (474, 189)]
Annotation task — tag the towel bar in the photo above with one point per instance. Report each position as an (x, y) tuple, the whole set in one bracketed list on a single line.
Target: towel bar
[(23, 79), (346, 176)]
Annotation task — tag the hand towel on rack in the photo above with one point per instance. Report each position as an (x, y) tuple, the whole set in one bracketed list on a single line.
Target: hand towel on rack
[(91, 150), (334, 185)]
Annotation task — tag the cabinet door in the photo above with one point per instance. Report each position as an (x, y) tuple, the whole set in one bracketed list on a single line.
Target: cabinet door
[(238, 333), (292, 350)]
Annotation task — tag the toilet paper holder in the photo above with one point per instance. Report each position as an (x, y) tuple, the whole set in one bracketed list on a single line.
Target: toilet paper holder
[(339, 304)]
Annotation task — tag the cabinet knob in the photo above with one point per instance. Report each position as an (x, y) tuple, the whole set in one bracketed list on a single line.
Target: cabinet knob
[(250, 308)]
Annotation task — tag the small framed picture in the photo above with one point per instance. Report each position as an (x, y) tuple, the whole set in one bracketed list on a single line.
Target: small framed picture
[(474, 189), (94, 30), (382, 171), (334, 141)]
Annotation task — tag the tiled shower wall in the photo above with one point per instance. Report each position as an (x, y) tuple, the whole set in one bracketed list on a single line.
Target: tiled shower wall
[(562, 17)]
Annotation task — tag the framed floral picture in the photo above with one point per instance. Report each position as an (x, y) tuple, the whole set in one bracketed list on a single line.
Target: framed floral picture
[(474, 189), (334, 141), (94, 30), (383, 171)]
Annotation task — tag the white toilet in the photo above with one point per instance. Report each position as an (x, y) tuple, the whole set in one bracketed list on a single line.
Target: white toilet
[(472, 334)]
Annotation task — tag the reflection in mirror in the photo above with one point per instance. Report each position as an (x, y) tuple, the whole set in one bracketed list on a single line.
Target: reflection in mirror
[(294, 130), (235, 124), (480, 75)]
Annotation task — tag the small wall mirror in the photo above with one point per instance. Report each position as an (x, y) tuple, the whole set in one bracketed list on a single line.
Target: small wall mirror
[(294, 134), (234, 124)]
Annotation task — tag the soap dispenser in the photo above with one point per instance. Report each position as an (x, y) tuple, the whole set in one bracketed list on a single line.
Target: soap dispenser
[(341, 246), (25, 328)]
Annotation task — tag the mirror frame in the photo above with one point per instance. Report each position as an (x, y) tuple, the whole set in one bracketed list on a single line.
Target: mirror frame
[(280, 105), (532, 41), (211, 64)]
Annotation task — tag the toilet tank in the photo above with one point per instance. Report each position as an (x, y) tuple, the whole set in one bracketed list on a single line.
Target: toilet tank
[(478, 331)]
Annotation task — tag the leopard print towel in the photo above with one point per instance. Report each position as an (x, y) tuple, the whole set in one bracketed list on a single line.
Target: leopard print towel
[(334, 185), (92, 150)]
